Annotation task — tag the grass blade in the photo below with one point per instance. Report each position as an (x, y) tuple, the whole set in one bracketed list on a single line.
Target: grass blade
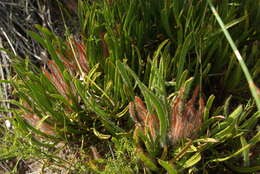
[(250, 81)]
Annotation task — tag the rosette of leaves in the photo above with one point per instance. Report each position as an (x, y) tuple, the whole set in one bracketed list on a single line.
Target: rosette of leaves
[(184, 122), (162, 122), (62, 98), (175, 132), (49, 101)]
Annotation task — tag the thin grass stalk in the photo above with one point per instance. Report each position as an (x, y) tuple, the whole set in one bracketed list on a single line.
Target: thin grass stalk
[(251, 84)]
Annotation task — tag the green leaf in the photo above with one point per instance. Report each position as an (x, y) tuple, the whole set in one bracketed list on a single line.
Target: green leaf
[(182, 58), (206, 70), (182, 79), (167, 166), (208, 107), (207, 140), (125, 78), (226, 106), (105, 117), (159, 49), (147, 161), (234, 115), (187, 87), (246, 152), (228, 125), (130, 14), (101, 135), (38, 38), (165, 21), (192, 160), (251, 122)]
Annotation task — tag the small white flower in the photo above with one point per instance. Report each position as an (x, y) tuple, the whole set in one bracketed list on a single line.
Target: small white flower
[(8, 124)]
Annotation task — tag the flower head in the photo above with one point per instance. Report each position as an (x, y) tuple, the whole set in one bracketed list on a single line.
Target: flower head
[(148, 123), (185, 119)]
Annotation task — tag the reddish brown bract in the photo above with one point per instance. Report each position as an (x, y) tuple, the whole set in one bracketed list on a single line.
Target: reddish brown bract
[(185, 120), (35, 121), (75, 53), (55, 76), (148, 123)]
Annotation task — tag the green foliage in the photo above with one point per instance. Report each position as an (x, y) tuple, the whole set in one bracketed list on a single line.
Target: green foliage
[(137, 82)]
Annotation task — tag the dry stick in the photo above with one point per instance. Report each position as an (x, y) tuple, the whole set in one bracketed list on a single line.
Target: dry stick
[(251, 84), (2, 66), (5, 87), (9, 41)]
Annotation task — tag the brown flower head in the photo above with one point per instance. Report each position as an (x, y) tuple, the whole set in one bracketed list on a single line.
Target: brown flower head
[(75, 57), (185, 119), (55, 76), (36, 122), (148, 123)]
